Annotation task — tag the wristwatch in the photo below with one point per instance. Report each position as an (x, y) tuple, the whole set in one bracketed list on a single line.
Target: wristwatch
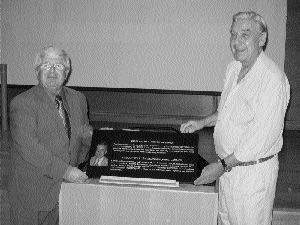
[(226, 168)]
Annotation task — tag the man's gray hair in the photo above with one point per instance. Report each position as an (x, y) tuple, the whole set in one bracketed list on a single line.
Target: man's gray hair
[(47, 52), (251, 15)]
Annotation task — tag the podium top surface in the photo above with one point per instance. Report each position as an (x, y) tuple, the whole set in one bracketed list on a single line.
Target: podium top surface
[(182, 187)]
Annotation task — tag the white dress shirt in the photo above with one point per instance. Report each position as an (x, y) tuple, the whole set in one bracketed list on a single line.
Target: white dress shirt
[(251, 112)]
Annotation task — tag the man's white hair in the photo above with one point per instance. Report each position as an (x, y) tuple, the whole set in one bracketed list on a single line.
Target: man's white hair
[(52, 51), (251, 15)]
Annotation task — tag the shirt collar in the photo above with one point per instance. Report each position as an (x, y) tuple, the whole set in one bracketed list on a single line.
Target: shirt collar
[(255, 66), (51, 95)]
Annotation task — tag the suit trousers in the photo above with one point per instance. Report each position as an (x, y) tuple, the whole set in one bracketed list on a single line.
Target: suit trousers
[(21, 216)]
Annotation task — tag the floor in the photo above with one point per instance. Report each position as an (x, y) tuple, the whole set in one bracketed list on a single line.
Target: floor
[(288, 186)]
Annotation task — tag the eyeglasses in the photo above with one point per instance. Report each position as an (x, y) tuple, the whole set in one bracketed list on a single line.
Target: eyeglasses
[(49, 66)]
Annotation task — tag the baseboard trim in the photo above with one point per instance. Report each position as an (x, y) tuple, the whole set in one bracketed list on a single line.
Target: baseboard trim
[(292, 125), (159, 119), (285, 216), (140, 118)]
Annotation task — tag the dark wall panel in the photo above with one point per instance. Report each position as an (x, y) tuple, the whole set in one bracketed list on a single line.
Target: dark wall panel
[(292, 61)]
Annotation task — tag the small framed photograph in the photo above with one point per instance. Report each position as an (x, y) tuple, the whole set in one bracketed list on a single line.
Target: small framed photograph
[(98, 160)]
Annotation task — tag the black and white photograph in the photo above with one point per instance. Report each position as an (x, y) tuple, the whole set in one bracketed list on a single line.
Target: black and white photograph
[(153, 112)]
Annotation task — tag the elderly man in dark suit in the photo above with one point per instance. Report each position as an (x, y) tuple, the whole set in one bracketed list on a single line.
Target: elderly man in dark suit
[(49, 129)]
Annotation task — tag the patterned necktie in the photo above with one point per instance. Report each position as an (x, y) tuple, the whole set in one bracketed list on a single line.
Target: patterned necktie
[(63, 114)]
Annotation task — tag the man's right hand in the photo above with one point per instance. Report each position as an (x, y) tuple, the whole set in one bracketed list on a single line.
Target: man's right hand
[(75, 175), (192, 126)]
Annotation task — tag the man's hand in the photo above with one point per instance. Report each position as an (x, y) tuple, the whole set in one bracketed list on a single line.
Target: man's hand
[(75, 175), (210, 173), (192, 126)]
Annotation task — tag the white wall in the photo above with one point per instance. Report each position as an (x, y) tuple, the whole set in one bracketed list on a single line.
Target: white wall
[(151, 44)]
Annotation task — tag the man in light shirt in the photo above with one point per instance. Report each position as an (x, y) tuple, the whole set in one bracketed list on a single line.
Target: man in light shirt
[(248, 127)]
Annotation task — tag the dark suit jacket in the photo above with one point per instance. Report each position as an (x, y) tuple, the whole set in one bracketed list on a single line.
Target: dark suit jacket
[(41, 150)]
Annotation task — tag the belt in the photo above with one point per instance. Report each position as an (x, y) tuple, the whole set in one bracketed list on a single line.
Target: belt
[(257, 161)]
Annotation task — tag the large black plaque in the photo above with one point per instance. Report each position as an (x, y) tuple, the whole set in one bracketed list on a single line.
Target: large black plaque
[(149, 154)]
